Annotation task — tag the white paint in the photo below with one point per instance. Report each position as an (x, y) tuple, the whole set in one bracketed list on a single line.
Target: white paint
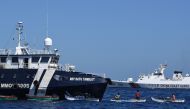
[(9, 85), (45, 82), (158, 80), (37, 77), (81, 79)]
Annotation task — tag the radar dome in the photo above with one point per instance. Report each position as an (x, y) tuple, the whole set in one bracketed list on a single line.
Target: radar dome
[(48, 42)]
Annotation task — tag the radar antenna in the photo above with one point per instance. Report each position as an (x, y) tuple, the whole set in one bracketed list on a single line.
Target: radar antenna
[(19, 29), (47, 18)]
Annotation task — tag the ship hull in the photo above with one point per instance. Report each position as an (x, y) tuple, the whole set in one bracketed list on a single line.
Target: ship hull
[(160, 86), (20, 82), (119, 84)]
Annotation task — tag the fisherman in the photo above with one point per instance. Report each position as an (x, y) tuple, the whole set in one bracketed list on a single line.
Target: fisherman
[(117, 97), (137, 95), (173, 98)]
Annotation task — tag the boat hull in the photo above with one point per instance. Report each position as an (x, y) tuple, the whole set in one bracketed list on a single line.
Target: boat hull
[(130, 100), (160, 86), (119, 84), (162, 100), (19, 82), (5, 98)]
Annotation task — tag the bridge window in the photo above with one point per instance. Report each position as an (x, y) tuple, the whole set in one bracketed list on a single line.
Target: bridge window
[(3, 59), (35, 59), (44, 59), (14, 59), (54, 60)]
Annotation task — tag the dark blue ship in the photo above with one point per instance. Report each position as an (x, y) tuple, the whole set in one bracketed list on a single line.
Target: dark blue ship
[(28, 72)]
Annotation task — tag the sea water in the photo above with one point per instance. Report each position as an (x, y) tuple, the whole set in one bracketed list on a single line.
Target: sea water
[(126, 93)]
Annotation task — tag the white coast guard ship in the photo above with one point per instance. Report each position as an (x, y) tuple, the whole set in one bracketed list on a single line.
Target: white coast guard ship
[(158, 80)]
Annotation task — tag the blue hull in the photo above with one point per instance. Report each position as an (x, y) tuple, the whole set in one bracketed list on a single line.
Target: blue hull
[(18, 82)]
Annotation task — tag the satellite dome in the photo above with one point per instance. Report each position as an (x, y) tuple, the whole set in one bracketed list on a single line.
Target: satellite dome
[(48, 42)]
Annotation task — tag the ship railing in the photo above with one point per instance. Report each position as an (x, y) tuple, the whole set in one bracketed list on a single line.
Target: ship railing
[(32, 51), (6, 52), (98, 74), (66, 67), (63, 68), (60, 67), (54, 65)]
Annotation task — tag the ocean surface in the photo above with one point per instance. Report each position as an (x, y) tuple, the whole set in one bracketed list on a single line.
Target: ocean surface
[(126, 93)]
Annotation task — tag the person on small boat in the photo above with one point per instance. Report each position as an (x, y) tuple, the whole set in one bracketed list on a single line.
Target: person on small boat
[(117, 97), (137, 95), (173, 98)]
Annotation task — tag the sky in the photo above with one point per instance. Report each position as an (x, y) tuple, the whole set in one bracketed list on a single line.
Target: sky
[(119, 38)]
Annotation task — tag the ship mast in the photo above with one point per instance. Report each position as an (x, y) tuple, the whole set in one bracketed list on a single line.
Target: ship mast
[(19, 29), (20, 49), (162, 68)]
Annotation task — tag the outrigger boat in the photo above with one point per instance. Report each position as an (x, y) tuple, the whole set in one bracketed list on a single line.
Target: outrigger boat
[(129, 100), (42, 98), (167, 99), (80, 98), (2, 97)]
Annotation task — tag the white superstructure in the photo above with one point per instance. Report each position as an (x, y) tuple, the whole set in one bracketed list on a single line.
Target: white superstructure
[(25, 57), (158, 80)]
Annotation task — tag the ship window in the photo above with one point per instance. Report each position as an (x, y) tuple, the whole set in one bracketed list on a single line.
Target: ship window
[(54, 60), (3, 59), (35, 59), (2, 75), (14, 59), (44, 59)]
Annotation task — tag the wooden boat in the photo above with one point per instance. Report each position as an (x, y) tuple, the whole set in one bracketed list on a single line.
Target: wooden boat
[(129, 100), (12, 97), (77, 98), (42, 98), (167, 99)]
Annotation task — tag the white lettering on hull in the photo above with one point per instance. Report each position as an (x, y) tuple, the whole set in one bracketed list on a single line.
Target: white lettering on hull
[(81, 79), (45, 82), (9, 85), (166, 85)]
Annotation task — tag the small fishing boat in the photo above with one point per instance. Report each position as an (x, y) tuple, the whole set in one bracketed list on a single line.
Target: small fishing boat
[(81, 98), (129, 100), (167, 99), (42, 98), (12, 97)]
